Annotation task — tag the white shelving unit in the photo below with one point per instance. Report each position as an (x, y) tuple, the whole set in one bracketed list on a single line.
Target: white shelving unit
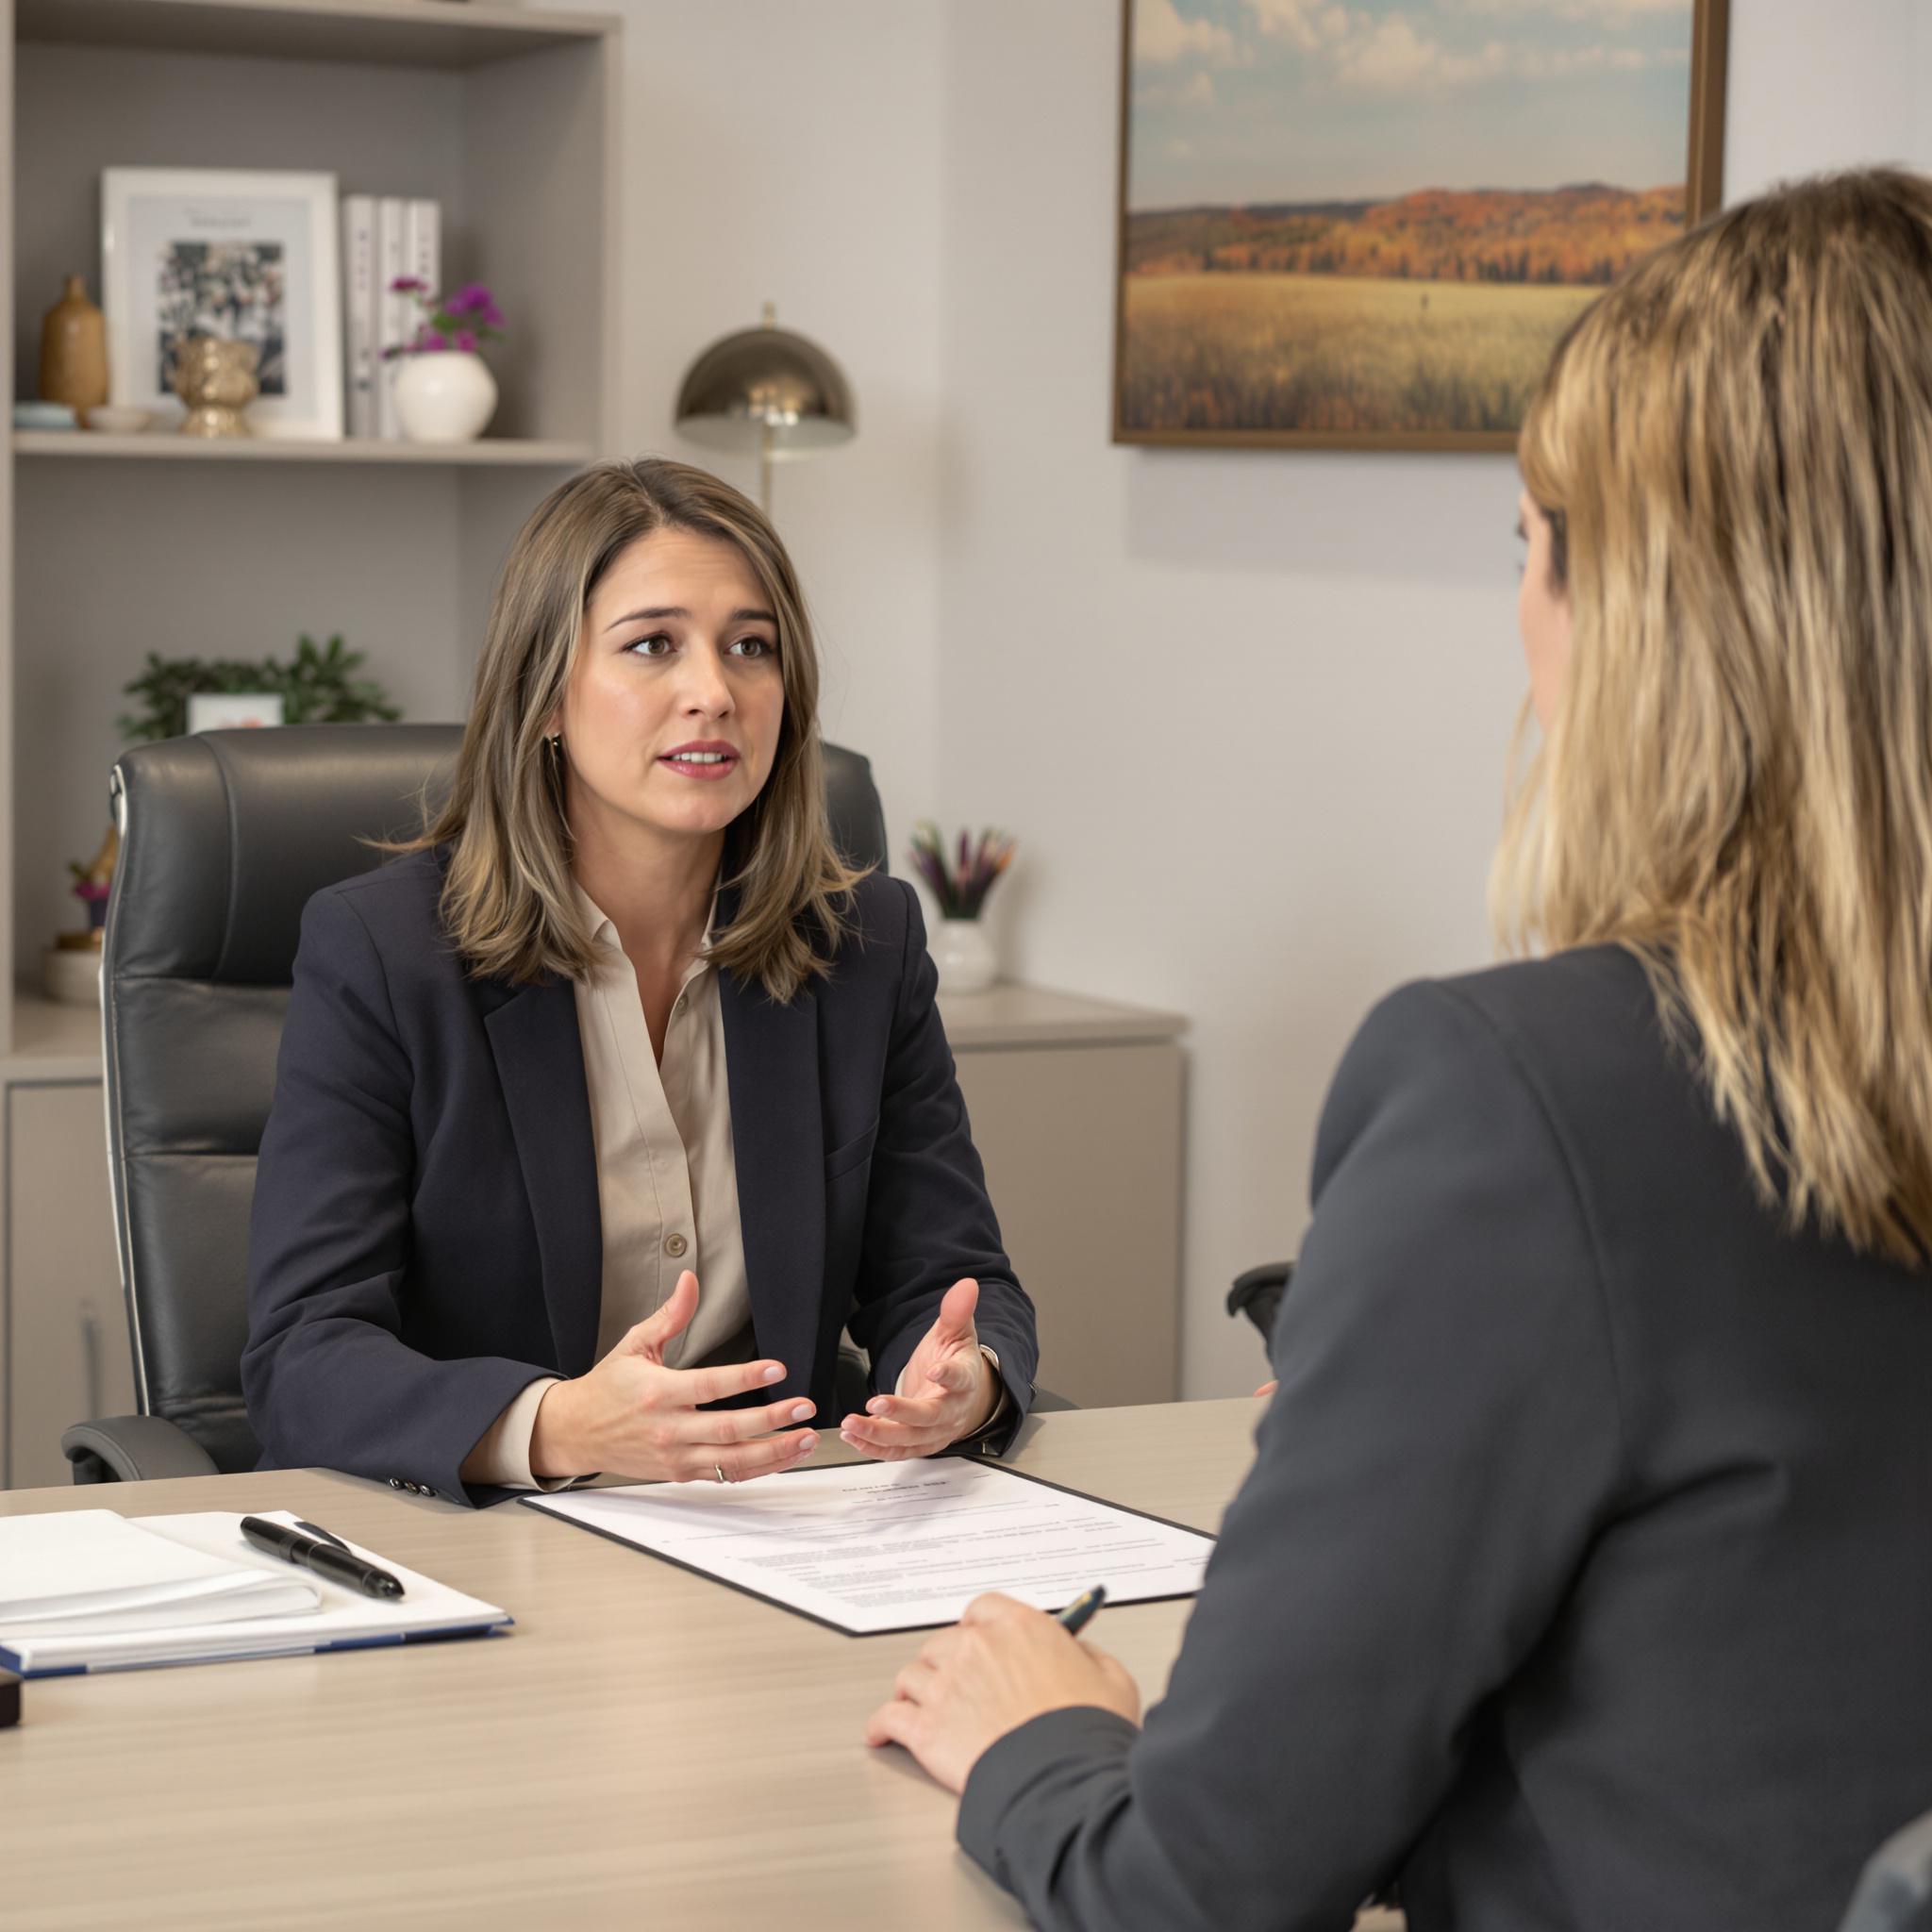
[(497, 452), (111, 547)]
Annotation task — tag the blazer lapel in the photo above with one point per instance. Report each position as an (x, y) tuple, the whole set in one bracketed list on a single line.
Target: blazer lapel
[(772, 1070), (540, 1059)]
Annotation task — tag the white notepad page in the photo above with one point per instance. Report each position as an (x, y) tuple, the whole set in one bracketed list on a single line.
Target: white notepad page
[(875, 1546), (336, 1617), (76, 1571)]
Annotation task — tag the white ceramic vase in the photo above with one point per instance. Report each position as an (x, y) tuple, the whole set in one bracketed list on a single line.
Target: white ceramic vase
[(963, 954), (444, 395)]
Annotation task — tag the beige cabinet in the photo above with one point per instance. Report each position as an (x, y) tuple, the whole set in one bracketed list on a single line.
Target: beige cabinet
[(1077, 1112), (65, 1354)]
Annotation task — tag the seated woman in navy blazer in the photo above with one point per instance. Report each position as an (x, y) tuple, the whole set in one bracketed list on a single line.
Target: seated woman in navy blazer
[(620, 1021)]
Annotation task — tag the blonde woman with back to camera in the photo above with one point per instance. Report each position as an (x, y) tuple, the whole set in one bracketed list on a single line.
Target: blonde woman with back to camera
[(1583, 1579)]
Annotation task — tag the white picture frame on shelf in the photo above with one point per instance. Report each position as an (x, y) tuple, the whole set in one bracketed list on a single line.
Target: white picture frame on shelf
[(239, 252)]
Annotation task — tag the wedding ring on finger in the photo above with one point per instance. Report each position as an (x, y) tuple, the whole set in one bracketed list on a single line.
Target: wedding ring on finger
[(719, 1468)]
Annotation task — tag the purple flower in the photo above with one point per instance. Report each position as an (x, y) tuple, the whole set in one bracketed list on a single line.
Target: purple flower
[(475, 299), (408, 284), (432, 338), (466, 339)]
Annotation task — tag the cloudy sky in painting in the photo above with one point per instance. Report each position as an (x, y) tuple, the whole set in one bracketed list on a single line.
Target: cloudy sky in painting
[(1298, 100)]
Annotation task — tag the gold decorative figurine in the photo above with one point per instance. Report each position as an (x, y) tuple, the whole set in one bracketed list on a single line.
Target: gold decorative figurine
[(216, 379)]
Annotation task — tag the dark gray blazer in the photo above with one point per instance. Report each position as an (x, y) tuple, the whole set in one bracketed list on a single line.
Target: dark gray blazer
[(425, 1240), (1584, 1575)]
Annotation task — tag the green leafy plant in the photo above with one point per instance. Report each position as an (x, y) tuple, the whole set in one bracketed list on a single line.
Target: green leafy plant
[(320, 687)]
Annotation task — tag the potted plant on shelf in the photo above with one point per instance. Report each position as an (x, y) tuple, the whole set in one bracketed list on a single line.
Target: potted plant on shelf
[(960, 949), (444, 389), (319, 687)]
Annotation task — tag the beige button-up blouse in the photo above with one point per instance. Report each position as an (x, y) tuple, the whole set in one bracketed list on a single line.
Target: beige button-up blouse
[(667, 1180)]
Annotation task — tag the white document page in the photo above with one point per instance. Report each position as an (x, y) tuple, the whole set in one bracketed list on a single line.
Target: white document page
[(95, 1571), (876, 1546)]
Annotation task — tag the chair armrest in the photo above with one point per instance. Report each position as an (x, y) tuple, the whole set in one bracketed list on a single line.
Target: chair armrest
[(1257, 1293), (133, 1448)]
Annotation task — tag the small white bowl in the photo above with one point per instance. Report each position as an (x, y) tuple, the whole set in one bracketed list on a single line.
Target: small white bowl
[(118, 419)]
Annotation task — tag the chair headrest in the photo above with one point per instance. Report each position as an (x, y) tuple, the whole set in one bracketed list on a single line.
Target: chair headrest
[(226, 822), (226, 835)]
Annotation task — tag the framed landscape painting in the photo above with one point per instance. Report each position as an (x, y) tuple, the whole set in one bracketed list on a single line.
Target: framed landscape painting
[(1365, 223)]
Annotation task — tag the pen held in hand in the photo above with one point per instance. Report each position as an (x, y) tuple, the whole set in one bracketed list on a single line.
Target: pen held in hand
[(1079, 1613)]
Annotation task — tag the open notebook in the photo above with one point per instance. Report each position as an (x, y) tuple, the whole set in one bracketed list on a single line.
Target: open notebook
[(88, 1589)]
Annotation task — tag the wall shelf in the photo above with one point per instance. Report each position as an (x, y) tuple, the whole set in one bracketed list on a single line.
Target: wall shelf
[(497, 452), (53, 1040), (390, 33), (123, 546)]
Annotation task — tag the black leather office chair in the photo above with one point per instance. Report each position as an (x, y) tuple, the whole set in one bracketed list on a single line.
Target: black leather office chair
[(225, 836), (1257, 1293)]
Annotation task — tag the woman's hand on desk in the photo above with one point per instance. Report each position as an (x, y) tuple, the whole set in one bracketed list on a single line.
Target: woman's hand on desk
[(632, 1416), (958, 1390), (1000, 1665)]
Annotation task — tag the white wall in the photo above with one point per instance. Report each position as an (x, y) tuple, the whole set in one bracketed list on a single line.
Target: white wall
[(1248, 712), (789, 152), (1826, 86)]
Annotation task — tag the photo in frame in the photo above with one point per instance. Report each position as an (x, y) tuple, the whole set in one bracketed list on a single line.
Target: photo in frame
[(243, 254), (1365, 225)]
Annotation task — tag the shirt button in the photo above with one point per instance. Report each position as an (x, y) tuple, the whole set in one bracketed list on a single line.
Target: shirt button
[(677, 1005), (676, 1246)]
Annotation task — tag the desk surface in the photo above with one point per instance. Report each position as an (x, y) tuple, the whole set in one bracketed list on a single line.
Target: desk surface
[(646, 1748)]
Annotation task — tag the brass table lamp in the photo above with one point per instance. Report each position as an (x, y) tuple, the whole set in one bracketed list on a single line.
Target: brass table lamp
[(767, 390)]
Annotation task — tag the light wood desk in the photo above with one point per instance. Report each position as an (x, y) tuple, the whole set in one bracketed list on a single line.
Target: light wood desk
[(645, 1748)]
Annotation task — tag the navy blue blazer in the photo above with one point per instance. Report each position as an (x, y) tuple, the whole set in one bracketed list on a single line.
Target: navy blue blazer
[(425, 1238), (1583, 1578)]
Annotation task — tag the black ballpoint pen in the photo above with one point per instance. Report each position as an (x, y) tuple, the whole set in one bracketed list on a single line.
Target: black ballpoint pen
[(1076, 1615), (338, 1565)]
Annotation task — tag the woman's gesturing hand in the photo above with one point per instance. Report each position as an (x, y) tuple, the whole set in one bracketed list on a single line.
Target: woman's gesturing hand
[(632, 1416), (954, 1390), (1001, 1664)]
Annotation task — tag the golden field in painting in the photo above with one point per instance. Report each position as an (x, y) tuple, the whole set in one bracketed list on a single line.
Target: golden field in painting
[(1349, 353)]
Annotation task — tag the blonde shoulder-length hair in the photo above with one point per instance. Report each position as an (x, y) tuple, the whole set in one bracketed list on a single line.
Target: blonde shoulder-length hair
[(1735, 444), (508, 900)]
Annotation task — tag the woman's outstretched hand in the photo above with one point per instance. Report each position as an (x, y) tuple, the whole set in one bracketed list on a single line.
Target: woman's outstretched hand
[(632, 1416), (952, 1390)]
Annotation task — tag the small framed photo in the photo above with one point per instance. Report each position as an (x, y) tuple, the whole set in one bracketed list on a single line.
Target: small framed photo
[(229, 711), (240, 253)]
